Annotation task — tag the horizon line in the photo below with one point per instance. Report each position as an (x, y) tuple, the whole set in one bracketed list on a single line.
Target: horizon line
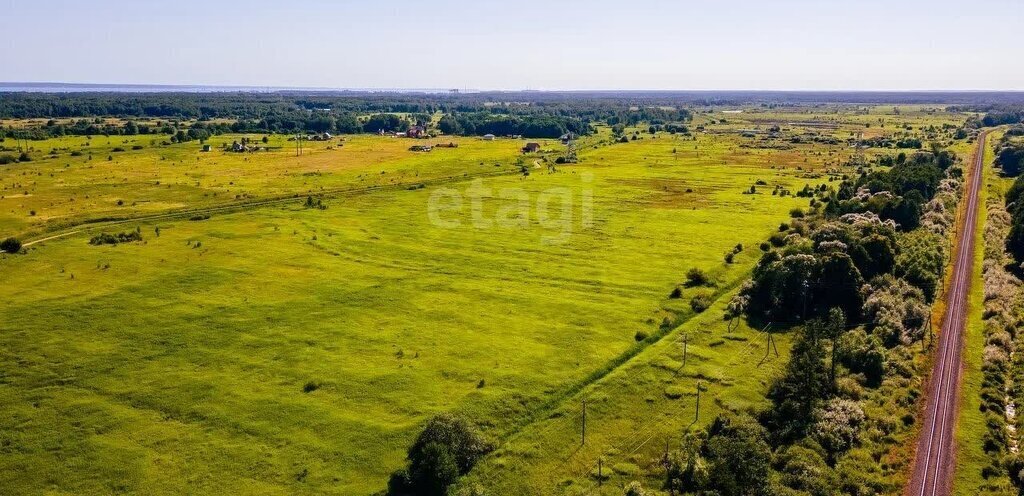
[(212, 88)]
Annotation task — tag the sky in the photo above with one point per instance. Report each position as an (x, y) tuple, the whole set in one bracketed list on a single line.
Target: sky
[(523, 44)]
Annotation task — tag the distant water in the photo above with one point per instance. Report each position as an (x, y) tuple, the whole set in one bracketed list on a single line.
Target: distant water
[(167, 88)]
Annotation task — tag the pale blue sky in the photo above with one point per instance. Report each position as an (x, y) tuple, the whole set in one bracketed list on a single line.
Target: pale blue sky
[(596, 44)]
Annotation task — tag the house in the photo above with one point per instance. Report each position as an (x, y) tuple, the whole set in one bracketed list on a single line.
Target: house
[(416, 132), (531, 147), (488, 137)]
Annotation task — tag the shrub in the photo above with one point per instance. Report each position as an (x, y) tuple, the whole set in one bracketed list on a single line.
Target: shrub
[(837, 425), (10, 245), (310, 386), (804, 469), (738, 456), (676, 293), (316, 203), (113, 239), (700, 303), (640, 335), (697, 277), (24, 157), (635, 489), (796, 213), (863, 353), (7, 159)]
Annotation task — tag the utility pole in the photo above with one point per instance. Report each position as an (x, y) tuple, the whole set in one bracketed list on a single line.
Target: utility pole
[(769, 345), (686, 339), (600, 475), (696, 416)]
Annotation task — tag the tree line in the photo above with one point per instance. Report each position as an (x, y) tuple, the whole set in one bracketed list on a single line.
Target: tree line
[(536, 116)]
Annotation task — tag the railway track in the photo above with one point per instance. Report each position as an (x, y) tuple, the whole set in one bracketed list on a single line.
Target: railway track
[(935, 459)]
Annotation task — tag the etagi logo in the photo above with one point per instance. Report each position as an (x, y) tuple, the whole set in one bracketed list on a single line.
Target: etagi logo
[(556, 210)]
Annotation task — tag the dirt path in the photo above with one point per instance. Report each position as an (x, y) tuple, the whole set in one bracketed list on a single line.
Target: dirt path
[(935, 459)]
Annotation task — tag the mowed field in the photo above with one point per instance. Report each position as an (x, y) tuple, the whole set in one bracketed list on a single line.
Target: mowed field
[(284, 350)]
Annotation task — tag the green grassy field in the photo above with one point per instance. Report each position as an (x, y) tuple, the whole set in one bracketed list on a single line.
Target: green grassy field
[(57, 187), (284, 350)]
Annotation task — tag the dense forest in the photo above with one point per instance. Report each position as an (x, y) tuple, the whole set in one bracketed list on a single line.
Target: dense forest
[(540, 117)]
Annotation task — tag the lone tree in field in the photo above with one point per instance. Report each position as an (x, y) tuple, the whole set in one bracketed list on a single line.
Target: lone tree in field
[(10, 245), (447, 447)]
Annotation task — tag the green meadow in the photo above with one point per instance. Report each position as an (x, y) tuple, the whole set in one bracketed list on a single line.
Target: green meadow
[(290, 350), (75, 178)]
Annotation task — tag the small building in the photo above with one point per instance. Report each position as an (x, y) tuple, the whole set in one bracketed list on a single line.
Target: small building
[(416, 132), (488, 137), (531, 147)]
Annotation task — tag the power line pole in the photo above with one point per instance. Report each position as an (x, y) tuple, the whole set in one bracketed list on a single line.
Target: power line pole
[(769, 346), (686, 339), (696, 416)]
